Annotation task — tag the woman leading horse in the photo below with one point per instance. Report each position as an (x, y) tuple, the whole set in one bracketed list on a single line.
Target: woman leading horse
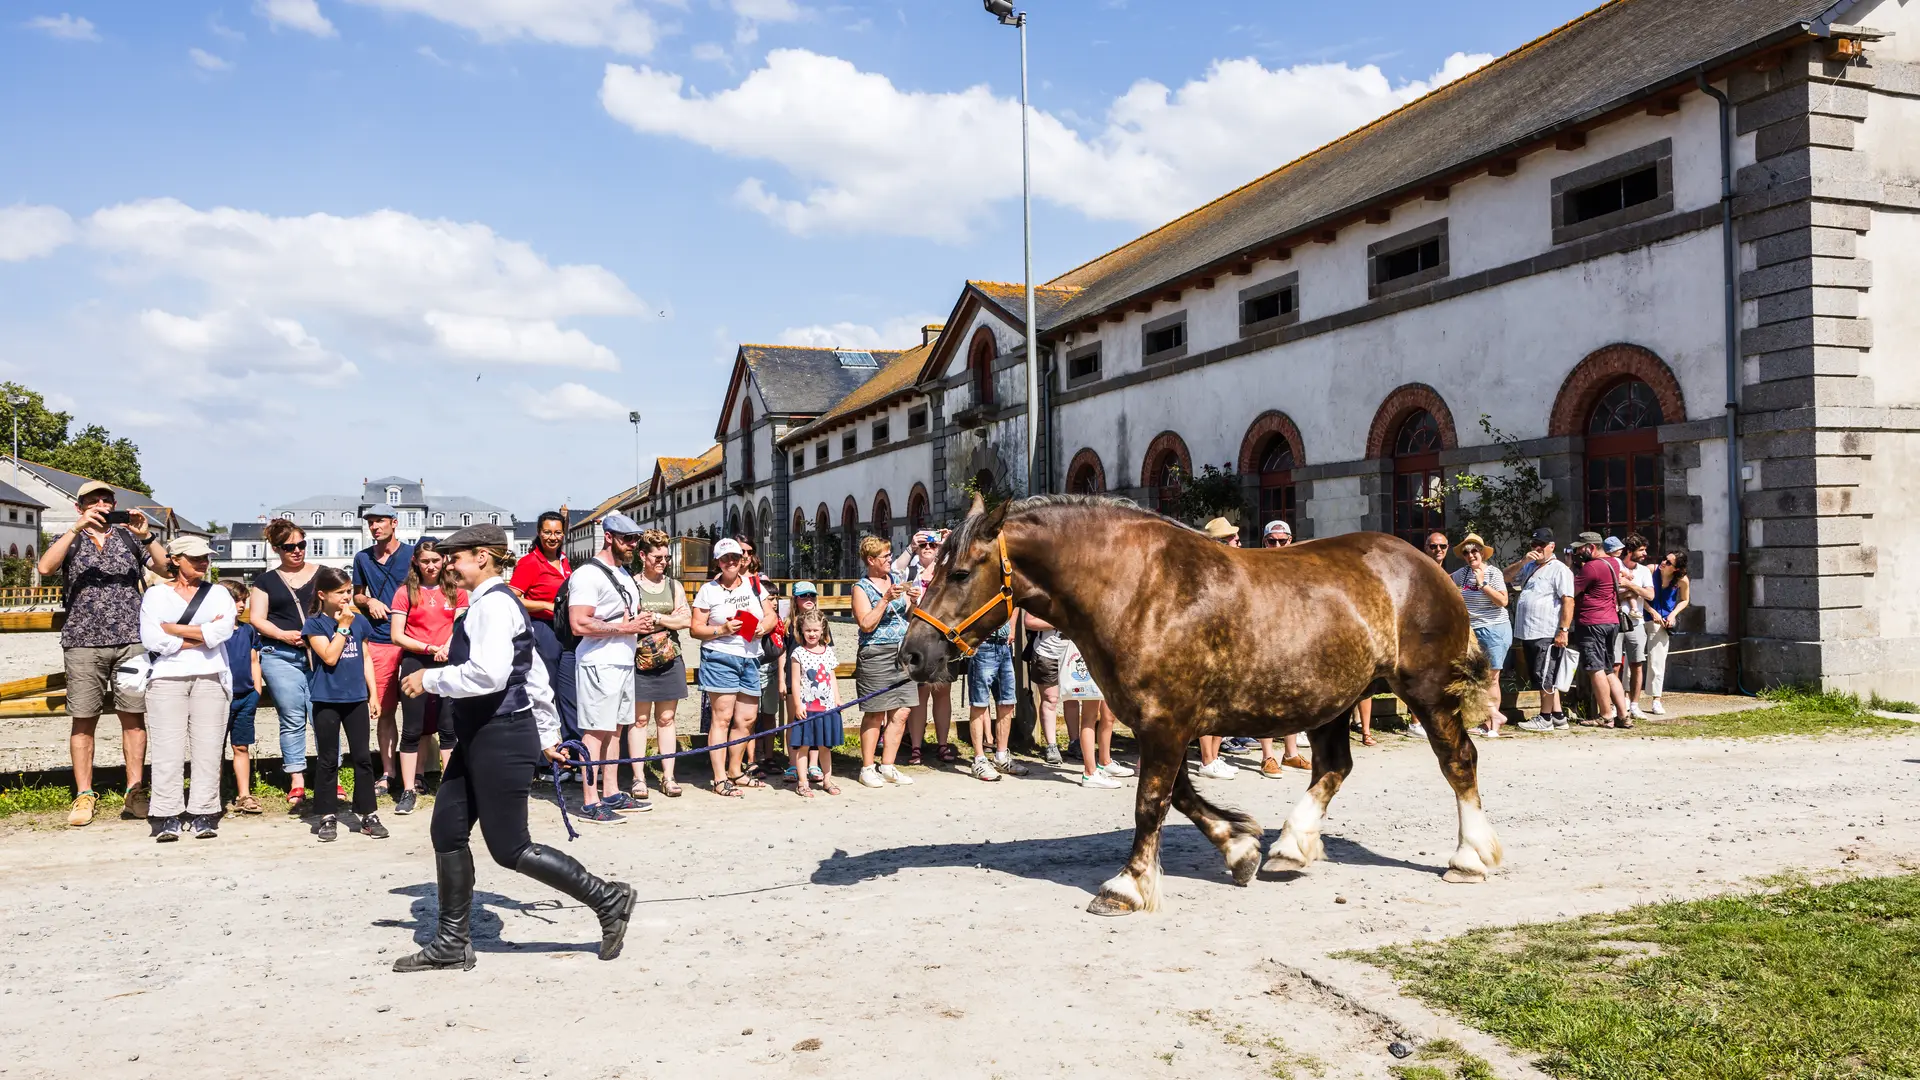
[(1189, 638)]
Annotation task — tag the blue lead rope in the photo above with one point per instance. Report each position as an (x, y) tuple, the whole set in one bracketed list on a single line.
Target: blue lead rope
[(578, 759)]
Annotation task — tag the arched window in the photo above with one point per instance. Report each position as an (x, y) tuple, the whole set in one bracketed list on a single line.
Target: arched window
[(749, 532), (439, 521), (319, 519), (746, 441), (980, 366), (883, 516), (13, 551), (850, 539), (1625, 481), (466, 519), (919, 509), (733, 521), (1278, 497), (1416, 477), (1085, 475)]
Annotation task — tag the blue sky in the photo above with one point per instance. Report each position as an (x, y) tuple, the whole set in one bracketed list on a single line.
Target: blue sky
[(286, 244)]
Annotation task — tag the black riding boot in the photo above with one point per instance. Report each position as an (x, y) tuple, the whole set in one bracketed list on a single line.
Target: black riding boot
[(452, 944), (611, 900)]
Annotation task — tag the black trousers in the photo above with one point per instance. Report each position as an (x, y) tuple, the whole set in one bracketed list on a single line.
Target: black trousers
[(486, 784), (414, 710), (330, 718)]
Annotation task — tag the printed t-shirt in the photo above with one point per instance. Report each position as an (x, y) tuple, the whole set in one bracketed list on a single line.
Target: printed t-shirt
[(816, 677), (432, 621), (103, 590), (240, 649), (717, 603), (380, 581), (1596, 598), (591, 586), (345, 679), (537, 579)]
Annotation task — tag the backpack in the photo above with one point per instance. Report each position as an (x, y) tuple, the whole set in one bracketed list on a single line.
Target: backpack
[(562, 606)]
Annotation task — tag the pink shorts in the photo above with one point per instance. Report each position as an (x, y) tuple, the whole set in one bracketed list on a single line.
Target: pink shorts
[(386, 676)]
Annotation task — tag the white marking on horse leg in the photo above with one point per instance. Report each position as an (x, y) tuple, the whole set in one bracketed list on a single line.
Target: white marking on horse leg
[(1479, 851), (1149, 884), (1299, 843), (1121, 894), (1243, 856)]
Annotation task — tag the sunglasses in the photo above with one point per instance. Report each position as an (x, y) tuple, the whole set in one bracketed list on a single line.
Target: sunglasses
[(1436, 547), (291, 548)]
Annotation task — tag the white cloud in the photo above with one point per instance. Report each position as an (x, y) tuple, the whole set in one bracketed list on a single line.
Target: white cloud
[(207, 61), (570, 402), (28, 232), (301, 15), (897, 333), (709, 53), (871, 157), (63, 26), (518, 341), (768, 10), (603, 24), (223, 350)]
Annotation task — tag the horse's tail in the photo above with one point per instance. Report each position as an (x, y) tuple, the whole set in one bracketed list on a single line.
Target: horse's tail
[(1472, 674)]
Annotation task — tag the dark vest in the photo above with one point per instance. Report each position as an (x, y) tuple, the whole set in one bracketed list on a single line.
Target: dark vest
[(509, 699)]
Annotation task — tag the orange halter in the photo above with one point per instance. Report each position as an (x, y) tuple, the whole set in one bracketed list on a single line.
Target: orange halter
[(1004, 596)]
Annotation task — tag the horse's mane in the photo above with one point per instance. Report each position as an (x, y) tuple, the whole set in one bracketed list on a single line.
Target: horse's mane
[(964, 534)]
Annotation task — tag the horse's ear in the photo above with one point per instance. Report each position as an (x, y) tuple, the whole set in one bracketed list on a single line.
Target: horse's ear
[(991, 526), (979, 506)]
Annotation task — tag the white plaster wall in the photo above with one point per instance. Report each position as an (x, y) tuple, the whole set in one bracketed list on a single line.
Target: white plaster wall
[(1493, 221), (1901, 18), (1895, 589), (895, 471), (23, 535), (1893, 246)]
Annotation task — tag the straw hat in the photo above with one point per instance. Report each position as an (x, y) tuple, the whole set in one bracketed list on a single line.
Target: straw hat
[(1221, 529), (1473, 539)]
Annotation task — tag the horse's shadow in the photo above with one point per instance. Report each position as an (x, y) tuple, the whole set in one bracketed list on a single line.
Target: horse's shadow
[(1078, 861), (486, 921)]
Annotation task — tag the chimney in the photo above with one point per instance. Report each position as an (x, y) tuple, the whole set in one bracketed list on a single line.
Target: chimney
[(930, 332)]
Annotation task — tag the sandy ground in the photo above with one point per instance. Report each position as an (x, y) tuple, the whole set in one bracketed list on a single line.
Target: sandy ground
[(932, 929)]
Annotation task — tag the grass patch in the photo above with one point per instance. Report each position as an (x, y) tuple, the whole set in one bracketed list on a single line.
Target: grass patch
[(1793, 710), (1814, 982), (1444, 1059), (25, 798)]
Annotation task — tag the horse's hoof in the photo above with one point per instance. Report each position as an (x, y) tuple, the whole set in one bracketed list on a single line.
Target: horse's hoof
[(1458, 876), (1280, 864), (1109, 906), (1245, 870)]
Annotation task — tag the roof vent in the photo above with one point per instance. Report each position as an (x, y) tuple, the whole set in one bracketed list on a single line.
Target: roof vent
[(856, 359)]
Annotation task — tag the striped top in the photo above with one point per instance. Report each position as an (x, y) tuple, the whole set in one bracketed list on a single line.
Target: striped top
[(1484, 612)]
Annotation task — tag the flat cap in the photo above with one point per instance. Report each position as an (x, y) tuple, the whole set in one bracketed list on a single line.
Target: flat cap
[(476, 536)]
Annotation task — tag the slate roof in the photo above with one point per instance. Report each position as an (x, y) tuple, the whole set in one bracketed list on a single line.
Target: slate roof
[(124, 498), (896, 376), (798, 380), (247, 530), (11, 494), (1603, 60), (328, 503)]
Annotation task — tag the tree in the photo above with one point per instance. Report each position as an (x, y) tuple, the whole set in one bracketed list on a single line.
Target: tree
[(45, 437), (1505, 506), (1214, 493)]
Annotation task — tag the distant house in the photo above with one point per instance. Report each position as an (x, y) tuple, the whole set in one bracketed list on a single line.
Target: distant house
[(56, 490), (335, 530), (19, 523)]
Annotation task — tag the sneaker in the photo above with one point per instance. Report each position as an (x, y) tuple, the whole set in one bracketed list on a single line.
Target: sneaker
[(166, 830), (1297, 761), (1270, 768), (405, 803), (1634, 713), (1114, 768), (870, 777), (1053, 756), (632, 804), (1099, 779), (205, 826), (1238, 745), (1656, 708), (895, 777), (1542, 722), (329, 829), (82, 810), (137, 799), (1414, 730), (1005, 763), (1072, 751), (598, 812), (1560, 721), (983, 769), (370, 826), (1218, 769), (617, 801)]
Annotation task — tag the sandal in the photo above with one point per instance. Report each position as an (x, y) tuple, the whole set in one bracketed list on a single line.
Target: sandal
[(670, 789), (1368, 740), (829, 787), (747, 780), (947, 754), (725, 787), (295, 797), (247, 804), (913, 755), (803, 791)]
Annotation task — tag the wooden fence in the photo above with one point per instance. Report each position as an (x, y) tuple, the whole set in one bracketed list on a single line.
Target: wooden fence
[(31, 596)]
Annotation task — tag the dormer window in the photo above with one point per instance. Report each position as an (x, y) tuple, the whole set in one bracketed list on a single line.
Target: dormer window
[(319, 519), (466, 519), (393, 496), (493, 519), (439, 521)]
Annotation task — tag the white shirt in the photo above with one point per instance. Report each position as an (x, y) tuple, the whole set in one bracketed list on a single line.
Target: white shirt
[(716, 603), (172, 656), (492, 623), (1537, 610), (589, 587), (1642, 576)]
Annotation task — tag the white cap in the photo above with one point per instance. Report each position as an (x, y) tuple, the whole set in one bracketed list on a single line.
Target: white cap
[(1277, 524), (727, 546)]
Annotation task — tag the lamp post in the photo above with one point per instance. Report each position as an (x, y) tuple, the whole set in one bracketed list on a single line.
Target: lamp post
[(634, 419), (1003, 10)]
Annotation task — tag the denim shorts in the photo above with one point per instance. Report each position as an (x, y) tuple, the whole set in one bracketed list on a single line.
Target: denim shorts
[(240, 717), (990, 675), (1495, 640), (726, 673)]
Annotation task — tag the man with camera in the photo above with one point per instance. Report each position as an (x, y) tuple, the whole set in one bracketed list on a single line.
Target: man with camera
[(101, 559)]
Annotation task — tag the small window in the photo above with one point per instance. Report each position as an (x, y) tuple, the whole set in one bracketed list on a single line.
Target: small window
[(849, 443), (346, 546), (1083, 364), (820, 453), (316, 547), (413, 519), (319, 519), (916, 421), (393, 496), (439, 521), (466, 519), (1411, 259), (1270, 304), (493, 519), (286, 515), (1621, 190), (1640, 186), (1164, 338), (799, 460), (880, 432)]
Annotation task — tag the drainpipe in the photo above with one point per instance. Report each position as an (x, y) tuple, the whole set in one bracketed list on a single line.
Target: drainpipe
[(1736, 577)]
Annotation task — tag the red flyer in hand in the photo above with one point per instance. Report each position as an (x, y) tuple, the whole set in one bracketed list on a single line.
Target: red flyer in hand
[(748, 624)]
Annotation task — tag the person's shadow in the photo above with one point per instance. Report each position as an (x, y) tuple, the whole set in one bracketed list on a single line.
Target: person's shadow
[(486, 921), (1082, 862)]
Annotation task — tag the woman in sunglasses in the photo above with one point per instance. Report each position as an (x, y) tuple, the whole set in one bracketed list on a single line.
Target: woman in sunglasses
[(916, 564), (278, 607)]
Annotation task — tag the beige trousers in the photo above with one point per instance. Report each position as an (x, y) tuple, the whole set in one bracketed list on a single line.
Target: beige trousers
[(186, 721)]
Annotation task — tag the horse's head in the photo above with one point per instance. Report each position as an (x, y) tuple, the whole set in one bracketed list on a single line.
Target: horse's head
[(968, 598)]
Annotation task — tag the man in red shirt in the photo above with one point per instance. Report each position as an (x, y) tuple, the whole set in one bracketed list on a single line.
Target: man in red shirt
[(537, 580), (1596, 622)]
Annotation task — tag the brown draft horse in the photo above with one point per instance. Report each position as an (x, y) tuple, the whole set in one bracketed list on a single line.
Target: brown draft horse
[(1187, 637)]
